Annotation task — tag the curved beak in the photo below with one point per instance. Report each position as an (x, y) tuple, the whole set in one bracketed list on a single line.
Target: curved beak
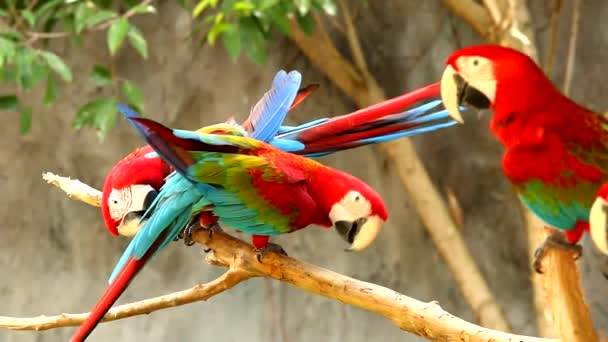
[(143, 196), (598, 227), (361, 232), (456, 93), (449, 93)]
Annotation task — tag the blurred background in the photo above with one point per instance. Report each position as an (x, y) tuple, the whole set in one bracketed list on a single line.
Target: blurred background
[(56, 255)]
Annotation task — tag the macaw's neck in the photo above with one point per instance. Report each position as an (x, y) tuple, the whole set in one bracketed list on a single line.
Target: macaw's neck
[(524, 112), (327, 187)]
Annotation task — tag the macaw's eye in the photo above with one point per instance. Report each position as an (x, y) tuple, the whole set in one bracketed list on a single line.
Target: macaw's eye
[(475, 62), (357, 198)]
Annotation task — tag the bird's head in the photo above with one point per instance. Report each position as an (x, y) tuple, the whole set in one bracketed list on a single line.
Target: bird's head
[(480, 76), (129, 189), (356, 211)]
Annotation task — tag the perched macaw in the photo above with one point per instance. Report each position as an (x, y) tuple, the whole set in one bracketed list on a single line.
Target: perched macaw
[(556, 150), (382, 122), (129, 194)]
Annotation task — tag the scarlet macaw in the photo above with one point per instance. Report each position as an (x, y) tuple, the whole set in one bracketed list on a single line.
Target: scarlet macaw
[(556, 150)]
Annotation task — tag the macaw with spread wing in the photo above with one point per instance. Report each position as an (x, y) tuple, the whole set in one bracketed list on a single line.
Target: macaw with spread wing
[(128, 194), (556, 150)]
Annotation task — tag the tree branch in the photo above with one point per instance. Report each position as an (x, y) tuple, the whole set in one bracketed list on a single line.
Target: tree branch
[(561, 279), (74, 188), (364, 89), (424, 319), (200, 292)]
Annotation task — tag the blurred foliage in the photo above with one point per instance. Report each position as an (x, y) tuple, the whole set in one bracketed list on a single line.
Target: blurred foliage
[(27, 26)]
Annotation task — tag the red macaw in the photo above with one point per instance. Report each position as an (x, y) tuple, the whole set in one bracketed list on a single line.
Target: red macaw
[(598, 220), (556, 150), (126, 197)]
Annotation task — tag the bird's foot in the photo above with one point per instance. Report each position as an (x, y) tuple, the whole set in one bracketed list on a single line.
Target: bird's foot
[(554, 240), (271, 247), (187, 232), (214, 227)]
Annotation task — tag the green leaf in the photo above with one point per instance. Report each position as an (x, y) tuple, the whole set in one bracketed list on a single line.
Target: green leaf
[(133, 95), (202, 5), (303, 6), (144, 8), (232, 42), (25, 120), (98, 17), (99, 113), (215, 30), (9, 103), (55, 63), (51, 90), (47, 6), (279, 18), (116, 34), (24, 61), (29, 17), (11, 34), (243, 8), (305, 23), (253, 40), (137, 40), (7, 51), (81, 14), (100, 75)]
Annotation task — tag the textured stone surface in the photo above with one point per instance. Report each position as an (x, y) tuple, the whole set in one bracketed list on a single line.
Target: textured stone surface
[(56, 254)]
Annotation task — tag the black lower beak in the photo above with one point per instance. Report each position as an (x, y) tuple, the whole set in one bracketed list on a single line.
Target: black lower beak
[(469, 96), (132, 215), (348, 230)]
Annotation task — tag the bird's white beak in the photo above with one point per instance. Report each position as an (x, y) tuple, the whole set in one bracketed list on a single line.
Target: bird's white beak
[(367, 233), (449, 94), (598, 224)]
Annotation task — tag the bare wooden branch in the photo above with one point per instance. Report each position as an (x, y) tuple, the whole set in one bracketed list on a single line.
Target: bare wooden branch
[(199, 292), (563, 287), (365, 91), (424, 319), (474, 14), (74, 188)]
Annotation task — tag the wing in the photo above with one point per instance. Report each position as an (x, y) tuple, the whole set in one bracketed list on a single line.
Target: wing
[(252, 196), (556, 180), (269, 113), (247, 190), (168, 215), (558, 207)]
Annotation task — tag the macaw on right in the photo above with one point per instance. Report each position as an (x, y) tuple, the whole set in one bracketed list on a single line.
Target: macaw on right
[(556, 150)]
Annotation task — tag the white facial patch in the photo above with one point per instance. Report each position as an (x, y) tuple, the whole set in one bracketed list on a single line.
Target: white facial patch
[(119, 202), (351, 207), (126, 200), (479, 74)]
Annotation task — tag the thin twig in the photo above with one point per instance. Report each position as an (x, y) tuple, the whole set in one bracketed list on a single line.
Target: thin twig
[(200, 292), (576, 13)]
